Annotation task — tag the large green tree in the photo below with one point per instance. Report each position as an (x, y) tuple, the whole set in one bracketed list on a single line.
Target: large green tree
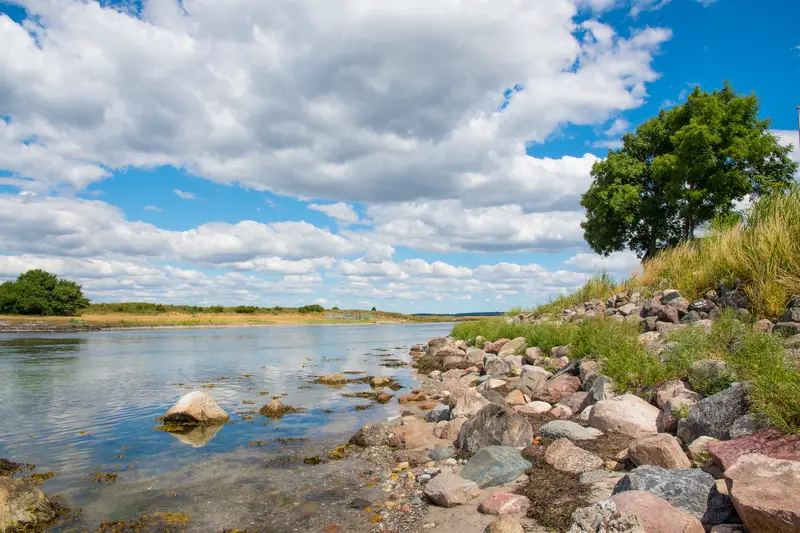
[(37, 292), (681, 169)]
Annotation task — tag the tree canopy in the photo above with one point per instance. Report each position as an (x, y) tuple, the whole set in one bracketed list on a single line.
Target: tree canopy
[(37, 292), (681, 169)]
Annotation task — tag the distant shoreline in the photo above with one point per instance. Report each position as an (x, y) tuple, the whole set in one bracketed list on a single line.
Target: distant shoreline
[(62, 325)]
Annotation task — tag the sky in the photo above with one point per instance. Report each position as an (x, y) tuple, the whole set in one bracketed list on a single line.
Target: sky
[(414, 156)]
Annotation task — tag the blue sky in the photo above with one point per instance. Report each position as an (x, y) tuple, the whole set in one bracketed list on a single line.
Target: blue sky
[(353, 154)]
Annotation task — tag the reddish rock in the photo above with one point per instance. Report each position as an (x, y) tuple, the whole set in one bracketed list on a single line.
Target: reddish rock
[(565, 456), (383, 398), (331, 528), (561, 411), (669, 314), (515, 397), (450, 431), (500, 503), (557, 388), (769, 442), (656, 514), (766, 493), (411, 436), (405, 399), (428, 405), (498, 345), (577, 401), (661, 450), (488, 347), (627, 414)]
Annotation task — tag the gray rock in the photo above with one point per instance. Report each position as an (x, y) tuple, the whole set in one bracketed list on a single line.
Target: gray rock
[(649, 324), (670, 295), (690, 317), (371, 435), (495, 465), (669, 314), (360, 503), (494, 425), (689, 489), (748, 425), (602, 389), (438, 413), (567, 429), (531, 382), (475, 356), (494, 397), (588, 370), (533, 355), (601, 483), (440, 453), (23, 505), (702, 306), (714, 416), (735, 297), (603, 517), (466, 402), (786, 329), (449, 490), (577, 401), (495, 366)]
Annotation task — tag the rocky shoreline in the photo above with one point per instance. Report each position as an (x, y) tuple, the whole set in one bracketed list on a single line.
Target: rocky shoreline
[(502, 437), (516, 440)]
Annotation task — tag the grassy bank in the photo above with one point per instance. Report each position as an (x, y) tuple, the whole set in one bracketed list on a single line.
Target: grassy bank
[(760, 254)]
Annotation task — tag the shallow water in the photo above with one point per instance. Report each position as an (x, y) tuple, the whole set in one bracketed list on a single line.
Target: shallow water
[(88, 402)]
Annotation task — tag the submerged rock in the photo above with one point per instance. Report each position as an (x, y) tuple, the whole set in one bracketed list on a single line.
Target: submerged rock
[(276, 409), (333, 379), (22, 504), (197, 407), (196, 436)]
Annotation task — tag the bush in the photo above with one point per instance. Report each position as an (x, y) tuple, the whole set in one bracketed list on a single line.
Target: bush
[(245, 309), (316, 308), (216, 309), (37, 292)]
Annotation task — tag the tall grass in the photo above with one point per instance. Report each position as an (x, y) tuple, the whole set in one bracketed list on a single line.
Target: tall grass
[(762, 252)]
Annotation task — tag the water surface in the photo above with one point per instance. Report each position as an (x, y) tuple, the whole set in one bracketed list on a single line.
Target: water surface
[(81, 403)]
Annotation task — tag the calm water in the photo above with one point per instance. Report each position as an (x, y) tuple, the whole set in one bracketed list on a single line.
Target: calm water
[(81, 403)]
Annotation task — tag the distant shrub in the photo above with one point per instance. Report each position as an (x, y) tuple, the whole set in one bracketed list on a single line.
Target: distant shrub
[(245, 309), (315, 308), (216, 309)]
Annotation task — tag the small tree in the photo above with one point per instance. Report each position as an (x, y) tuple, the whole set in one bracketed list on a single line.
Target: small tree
[(373, 308), (681, 169), (37, 292)]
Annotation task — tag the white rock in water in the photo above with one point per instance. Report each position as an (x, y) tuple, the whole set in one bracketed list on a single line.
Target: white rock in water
[(197, 407)]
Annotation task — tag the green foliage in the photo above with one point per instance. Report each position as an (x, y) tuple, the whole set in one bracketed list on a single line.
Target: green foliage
[(216, 309), (245, 309), (37, 292), (374, 308), (315, 308), (545, 335), (680, 169)]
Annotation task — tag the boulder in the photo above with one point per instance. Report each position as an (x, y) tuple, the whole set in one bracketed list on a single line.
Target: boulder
[(503, 503), (665, 328), (475, 356), (676, 409), (791, 315), (438, 413), (494, 425), (748, 424), (494, 397), (561, 411), (371, 435), (588, 370), (452, 362), (566, 457), (557, 388), (656, 514), (495, 465), (669, 314), (196, 408), (668, 390), (627, 309), (658, 450), (769, 442), (626, 414), (494, 366), (699, 453), (333, 379), (23, 505), (451, 430), (566, 429), (513, 347), (449, 490), (504, 524), (466, 402), (714, 416), (533, 408), (577, 401), (530, 382), (669, 295), (691, 490), (489, 384), (411, 435), (440, 452), (533, 355), (498, 345), (766, 493), (515, 397), (602, 389)]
